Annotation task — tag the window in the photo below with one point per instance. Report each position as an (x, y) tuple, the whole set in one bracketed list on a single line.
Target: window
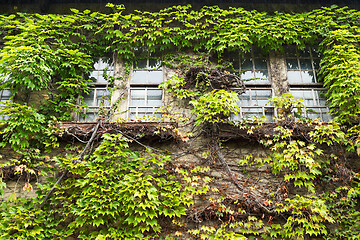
[(314, 100), (302, 67), (99, 95), (5, 95), (252, 67), (253, 103), (145, 97)]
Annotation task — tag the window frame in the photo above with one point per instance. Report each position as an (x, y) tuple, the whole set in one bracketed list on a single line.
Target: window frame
[(97, 86), (146, 85), (315, 85)]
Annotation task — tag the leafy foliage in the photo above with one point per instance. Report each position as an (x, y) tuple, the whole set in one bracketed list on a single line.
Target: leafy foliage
[(116, 193), (119, 194), (215, 106)]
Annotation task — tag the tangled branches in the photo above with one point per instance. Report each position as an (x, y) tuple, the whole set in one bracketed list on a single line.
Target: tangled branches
[(212, 79)]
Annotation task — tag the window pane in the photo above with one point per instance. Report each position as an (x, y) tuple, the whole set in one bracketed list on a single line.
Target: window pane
[(294, 77), (292, 64), (154, 63), (290, 51), (139, 77), (5, 94), (248, 112), (247, 75), (89, 98), (154, 97), (141, 64), (261, 76), (304, 53), (258, 53), (89, 117), (260, 64), (155, 77), (261, 97), (233, 57), (316, 63), (305, 64), (246, 64), (269, 113), (101, 64), (315, 53), (137, 98), (103, 96), (94, 76), (100, 78), (307, 76), (245, 99)]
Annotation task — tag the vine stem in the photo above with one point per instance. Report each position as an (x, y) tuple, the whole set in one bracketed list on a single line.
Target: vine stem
[(235, 181), (82, 154)]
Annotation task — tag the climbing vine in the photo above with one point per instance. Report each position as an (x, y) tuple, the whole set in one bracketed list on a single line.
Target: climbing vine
[(108, 190)]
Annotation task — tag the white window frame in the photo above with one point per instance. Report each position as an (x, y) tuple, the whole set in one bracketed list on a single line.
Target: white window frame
[(242, 108), (145, 85), (97, 85), (3, 99), (324, 110), (313, 86)]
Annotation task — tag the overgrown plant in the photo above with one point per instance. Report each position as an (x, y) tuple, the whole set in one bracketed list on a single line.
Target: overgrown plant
[(114, 192)]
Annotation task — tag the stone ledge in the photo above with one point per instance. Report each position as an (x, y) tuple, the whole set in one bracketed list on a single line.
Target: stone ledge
[(137, 130)]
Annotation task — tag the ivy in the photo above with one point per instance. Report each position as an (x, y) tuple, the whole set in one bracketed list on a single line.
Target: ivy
[(118, 195), (113, 192)]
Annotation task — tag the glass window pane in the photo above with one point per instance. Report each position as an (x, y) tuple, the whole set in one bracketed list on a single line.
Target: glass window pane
[(326, 116), (102, 64), (247, 75), (307, 76), (5, 94), (315, 53), (234, 58), (258, 53), (89, 98), (101, 78), (261, 76), (154, 94), (297, 94), (245, 99), (141, 64), (305, 64), (260, 64), (137, 98), (157, 115), (269, 114), (89, 117), (292, 64), (110, 73), (261, 97), (139, 77), (246, 64), (103, 97), (294, 77), (316, 63), (154, 98), (94, 76), (154, 63), (155, 77)]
